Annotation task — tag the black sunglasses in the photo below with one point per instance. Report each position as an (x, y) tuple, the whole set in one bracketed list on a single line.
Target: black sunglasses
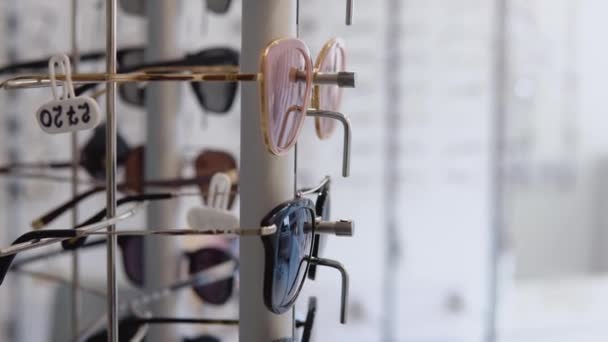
[(288, 253), (132, 248), (131, 326), (215, 97), (92, 157), (76, 237), (138, 7)]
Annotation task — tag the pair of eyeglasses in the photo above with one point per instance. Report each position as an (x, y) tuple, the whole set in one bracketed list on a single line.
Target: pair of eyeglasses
[(206, 164), (216, 97), (286, 77), (92, 157), (133, 326), (210, 276), (76, 237), (289, 250), (138, 7), (132, 248)]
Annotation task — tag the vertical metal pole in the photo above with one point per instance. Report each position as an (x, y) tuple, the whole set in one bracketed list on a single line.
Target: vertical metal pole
[(111, 8), (161, 159), (392, 252), (497, 227), (75, 168), (265, 180)]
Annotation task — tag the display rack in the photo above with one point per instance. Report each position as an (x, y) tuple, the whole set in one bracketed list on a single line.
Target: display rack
[(265, 180)]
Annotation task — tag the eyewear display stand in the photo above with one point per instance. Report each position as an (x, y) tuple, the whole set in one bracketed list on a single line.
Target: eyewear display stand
[(265, 180), (161, 159)]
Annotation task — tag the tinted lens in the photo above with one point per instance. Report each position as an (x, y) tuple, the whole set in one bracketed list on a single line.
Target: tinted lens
[(211, 162), (216, 97), (133, 258), (286, 94), (217, 293), (332, 59), (204, 338), (134, 169), (93, 154), (293, 248), (218, 6), (133, 7), (130, 92)]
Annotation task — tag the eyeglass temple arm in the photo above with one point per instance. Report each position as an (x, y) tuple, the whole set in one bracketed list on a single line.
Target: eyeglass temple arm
[(347, 134), (80, 241), (49, 217), (45, 256), (7, 260), (325, 182), (49, 165), (165, 320), (44, 63), (345, 282), (53, 214)]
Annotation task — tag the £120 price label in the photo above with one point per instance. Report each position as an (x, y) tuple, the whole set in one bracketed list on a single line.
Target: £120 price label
[(68, 115)]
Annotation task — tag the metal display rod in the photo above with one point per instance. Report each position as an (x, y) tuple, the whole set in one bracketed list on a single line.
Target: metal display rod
[(265, 180), (75, 294), (161, 160), (111, 8)]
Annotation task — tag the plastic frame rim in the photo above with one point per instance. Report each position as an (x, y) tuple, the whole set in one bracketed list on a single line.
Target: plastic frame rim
[(264, 113), (339, 44), (270, 252)]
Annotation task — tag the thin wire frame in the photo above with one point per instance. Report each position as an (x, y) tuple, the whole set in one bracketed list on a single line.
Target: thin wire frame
[(20, 247), (334, 45)]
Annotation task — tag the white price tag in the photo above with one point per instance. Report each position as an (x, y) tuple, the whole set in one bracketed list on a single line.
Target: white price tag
[(67, 113)]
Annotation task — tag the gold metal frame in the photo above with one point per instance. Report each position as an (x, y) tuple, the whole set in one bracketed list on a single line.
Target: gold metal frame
[(221, 73), (315, 104)]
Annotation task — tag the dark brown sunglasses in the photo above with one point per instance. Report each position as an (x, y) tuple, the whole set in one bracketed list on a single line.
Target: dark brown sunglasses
[(206, 165)]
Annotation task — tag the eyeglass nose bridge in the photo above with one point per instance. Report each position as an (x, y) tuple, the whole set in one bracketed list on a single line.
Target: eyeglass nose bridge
[(345, 281)]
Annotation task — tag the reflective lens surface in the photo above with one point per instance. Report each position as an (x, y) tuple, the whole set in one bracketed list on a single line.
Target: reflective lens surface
[(131, 92), (133, 258), (293, 248), (287, 77), (331, 59), (218, 6), (216, 97), (217, 293)]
